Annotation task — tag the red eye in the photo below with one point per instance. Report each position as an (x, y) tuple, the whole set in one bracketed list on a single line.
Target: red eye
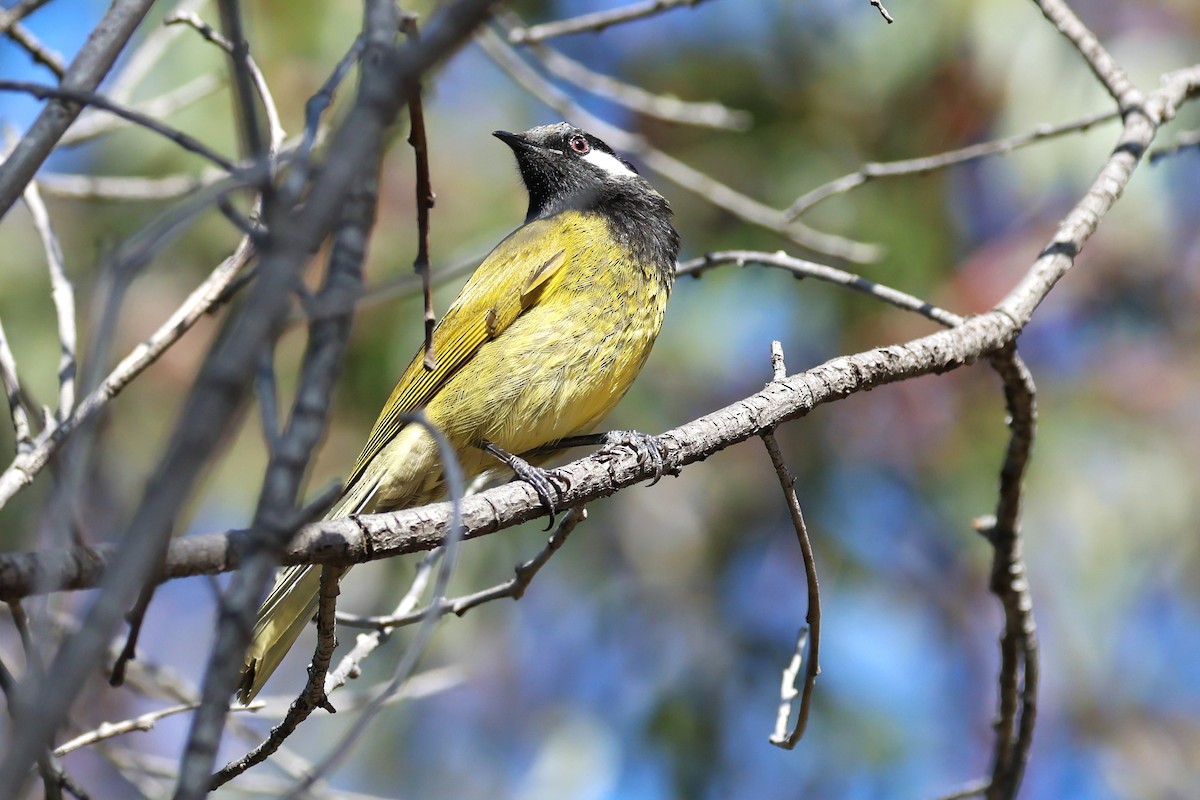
[(580, 145)]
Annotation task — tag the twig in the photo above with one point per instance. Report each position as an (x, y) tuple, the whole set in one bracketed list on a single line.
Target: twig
[(312, 697), (1185, 141), (1018, 645), (514, 587), (809, 269), (254, 145), (425, 199), (275, 519), (595, 22), (199, 302), (274, 124), (24, 38), (973, 789), (883, 11), (314, 109), (149, 52), (1102, 64), (189, 143), (64, 301), (351, 664), (11, 382), (787, 483), (94, 122), (145, 722), (664, 107), (455, 487), (87, 69), (121, 188), (18, 12), (688, 177), (921, 166)]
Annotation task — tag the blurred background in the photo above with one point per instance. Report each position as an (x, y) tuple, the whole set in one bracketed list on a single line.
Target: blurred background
[(644, 661)]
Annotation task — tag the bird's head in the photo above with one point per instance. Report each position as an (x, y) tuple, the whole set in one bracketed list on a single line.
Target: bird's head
[(564, 167)]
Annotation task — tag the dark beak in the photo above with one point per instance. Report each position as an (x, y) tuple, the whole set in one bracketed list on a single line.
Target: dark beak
[(514, 140)]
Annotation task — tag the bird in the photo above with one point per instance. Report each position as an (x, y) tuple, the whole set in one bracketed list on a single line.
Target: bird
[(539, 346)]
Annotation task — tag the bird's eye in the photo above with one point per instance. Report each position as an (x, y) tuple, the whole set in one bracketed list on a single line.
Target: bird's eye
[(580, 145)]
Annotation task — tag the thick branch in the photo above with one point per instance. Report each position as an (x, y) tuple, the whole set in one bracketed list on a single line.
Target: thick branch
[(87, 69)]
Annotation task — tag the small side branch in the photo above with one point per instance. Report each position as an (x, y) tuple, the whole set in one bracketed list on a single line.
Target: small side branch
[(313, 695), (812, 634), (923, 166), (425, 200), (595, 22), (883, 11), (1018, 643), (514, 587), (1110, 74), (64, 301)]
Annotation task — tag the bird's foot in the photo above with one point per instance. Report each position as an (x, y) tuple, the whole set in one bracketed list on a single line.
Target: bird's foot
[(647, 448), (542, 480)]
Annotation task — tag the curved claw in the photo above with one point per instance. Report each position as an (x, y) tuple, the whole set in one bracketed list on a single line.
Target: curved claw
[(540, 479), (645, 446)]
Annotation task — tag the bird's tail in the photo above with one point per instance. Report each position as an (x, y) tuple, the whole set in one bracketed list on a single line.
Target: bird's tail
[(286, 611), (291, 603)]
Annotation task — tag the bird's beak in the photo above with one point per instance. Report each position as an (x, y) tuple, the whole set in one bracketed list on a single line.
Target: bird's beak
[(514, 140)]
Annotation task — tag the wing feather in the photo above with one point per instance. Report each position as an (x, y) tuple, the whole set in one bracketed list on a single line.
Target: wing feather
[(508, 281)]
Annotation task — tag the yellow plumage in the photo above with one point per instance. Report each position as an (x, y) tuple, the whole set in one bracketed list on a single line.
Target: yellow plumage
[(541, 343)]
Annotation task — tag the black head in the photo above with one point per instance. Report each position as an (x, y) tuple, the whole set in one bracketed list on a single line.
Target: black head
[(564, 167)]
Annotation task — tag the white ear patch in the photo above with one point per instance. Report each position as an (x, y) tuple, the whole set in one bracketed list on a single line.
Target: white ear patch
[(610, 164)]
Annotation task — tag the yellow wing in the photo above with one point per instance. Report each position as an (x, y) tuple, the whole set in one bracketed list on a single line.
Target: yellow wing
[(510, 280)]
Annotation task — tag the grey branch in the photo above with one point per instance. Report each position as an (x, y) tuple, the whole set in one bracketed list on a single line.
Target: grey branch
[(921, 166), (413, 530), (87, 69), (674, 170), (595, 22), (635, 98)]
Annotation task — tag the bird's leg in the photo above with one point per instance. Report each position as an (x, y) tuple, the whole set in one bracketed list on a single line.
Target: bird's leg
[(645, 446), (540, 479)]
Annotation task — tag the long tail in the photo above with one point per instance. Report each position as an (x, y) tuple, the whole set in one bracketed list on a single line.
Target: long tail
[(291, 603)]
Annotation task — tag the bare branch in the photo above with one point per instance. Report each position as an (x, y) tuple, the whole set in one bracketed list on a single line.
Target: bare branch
[(922, 166), (275, 519), (254, 146), (1102, 64), (595, 22), (883, 11), (455, 488), (24, 38), (18, 12), (180, 138), (274, 125), (63, 294), (812, 635), (11, 382), (145, 722), (94, 123), (122, 188), (669, 167), (351, 664), (810, 269), (87, 69), (664, 107), (312, 697), (1185, 141), (1018, 644), (199, 302), (514, 587), (147, 55), (425, 199)]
